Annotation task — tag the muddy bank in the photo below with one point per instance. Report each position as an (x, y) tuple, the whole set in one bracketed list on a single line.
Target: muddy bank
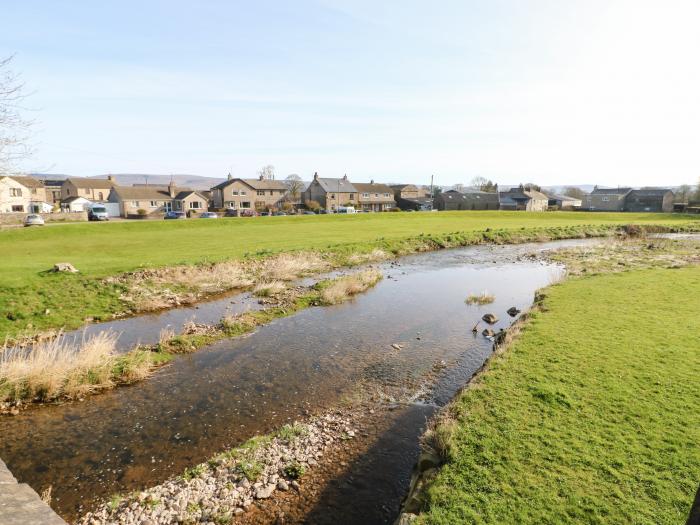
[(136, 437)]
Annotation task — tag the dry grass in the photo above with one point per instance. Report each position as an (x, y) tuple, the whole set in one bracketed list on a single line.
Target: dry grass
[(269, 288), (290, 266), (56, 368), (480, 299), (375, 255), (341, 289)]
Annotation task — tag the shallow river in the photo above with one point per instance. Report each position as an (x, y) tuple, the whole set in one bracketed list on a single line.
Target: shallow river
[(137, 436)]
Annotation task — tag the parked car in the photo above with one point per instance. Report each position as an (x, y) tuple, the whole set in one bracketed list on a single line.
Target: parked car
[(33, 220), (175, 215), (346, 209), (248, 213), (231, 212), (308, 212), (265, 213), (323, 211), (98, 213), (279, 214), (208, 215)]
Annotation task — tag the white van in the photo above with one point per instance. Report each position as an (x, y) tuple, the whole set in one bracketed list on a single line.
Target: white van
[(346, 209)]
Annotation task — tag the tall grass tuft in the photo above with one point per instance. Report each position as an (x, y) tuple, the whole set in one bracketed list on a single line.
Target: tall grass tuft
[(480, 299), (269, 288), (57, 368), (341, 289)]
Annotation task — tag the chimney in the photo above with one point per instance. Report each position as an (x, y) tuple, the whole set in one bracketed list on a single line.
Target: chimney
[(110, 178), (171, 189), (230, 176), (371, 181), (315, 175), (262, 177), (345, 177)]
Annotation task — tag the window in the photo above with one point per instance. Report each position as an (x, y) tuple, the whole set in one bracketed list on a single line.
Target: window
[(332, 195), (100, 196), (231, 204), (33, 190), (386, 195), (135, 203), (195, 205), (18, 208), (365, 195), (352, 196), (272, 192), (242, 192), (154, 204), (234, 192), (67, 191), (245, 204), (15, 192), (261, 192), (605, 198)]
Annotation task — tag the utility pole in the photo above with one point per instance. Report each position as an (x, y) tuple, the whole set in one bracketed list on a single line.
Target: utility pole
[(431, 185)]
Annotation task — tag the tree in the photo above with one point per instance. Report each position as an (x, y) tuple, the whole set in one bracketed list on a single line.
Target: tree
[(313, 205), (14, 130), (482, 184), (267, 172), (294, 187), (437, 190), (458, 187), (683, 193), (574, 192), (532, 187)]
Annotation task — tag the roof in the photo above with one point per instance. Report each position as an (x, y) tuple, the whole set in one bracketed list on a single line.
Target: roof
[(402, 186), (141, 192), (256, 184), (73, 199), (557, 197), (27, 182), (85, 182), (186, 193), (649, 192), (341, 185), (521, 193), (372, 187), (610, 191)]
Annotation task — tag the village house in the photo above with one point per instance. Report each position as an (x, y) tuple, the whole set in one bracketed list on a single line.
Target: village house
[(522, 199), (468, 200), (331, 193), (607, 199), (53, 190), (249, 194), (22, 194), (374, 197), (94, 190), (157, 200), (649, 199), (412, 197), (564, 202)]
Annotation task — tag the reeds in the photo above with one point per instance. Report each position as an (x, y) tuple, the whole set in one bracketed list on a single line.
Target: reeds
[(480, 299), (269, 288), (341, 289)]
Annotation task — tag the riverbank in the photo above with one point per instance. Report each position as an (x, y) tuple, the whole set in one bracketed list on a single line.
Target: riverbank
[(111, 257), (53, 370), (586, 415)]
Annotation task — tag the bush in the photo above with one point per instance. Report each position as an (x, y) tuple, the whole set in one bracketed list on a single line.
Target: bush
[(141, 212)]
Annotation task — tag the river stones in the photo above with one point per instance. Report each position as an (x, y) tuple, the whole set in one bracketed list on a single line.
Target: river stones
[(513, 311), (490, 318), (488, 332)]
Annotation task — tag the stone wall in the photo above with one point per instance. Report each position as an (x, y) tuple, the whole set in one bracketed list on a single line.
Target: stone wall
[(18, 218), (20, 505)]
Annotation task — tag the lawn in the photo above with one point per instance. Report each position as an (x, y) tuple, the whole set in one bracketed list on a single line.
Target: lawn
[(591, 416), (31, 299)]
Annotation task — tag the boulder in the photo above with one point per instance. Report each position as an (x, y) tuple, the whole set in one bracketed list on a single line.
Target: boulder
[(64, 267), (490, 318), (488, 332), (513, 311)]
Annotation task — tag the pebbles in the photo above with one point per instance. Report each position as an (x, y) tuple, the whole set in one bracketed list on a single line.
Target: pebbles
[(228, 484)]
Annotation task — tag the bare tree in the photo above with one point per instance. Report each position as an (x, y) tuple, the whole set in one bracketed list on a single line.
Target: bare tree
[(267, 172), (683, 192), (483, 184), (294, 187), (14, 129), (574, 192), (697, 191)]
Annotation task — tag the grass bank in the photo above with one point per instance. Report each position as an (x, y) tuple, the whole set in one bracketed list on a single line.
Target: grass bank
[(54, 370), (589, 416), (32, 299)]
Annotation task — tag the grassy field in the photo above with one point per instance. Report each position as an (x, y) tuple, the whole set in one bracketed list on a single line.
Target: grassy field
[(32, 299), (589, 417)]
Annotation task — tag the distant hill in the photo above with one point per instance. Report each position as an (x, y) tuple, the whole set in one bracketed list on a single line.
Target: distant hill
[(196, 182)]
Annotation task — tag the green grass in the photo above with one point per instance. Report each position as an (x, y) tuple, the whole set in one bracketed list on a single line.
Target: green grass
[(99, 250), (591, 416)]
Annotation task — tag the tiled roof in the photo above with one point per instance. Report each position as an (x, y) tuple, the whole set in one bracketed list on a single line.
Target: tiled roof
[(27, 182), (649, 192), (372, 187), (85, 182), (341, 185), (611, 191)]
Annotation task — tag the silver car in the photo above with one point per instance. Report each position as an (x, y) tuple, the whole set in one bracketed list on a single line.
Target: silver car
[(33, 220)]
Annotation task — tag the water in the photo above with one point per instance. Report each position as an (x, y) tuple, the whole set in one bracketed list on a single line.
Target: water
[(133, 437)]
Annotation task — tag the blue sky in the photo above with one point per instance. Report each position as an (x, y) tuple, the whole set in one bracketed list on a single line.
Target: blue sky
[(554, 92)]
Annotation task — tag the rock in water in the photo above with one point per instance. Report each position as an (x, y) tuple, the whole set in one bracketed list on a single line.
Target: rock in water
[(490, 318), (513, 311), (64, 267), (488, 332)]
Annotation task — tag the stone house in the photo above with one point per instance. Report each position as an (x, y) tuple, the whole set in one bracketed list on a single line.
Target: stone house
[(14, 196), (94, 190), (247, 194), (650, 199), (468, 200), (374, 197), (331, 193), (157, 200), (607, 199), (53, 190), (521, 199), (407, 191), (564, 202)]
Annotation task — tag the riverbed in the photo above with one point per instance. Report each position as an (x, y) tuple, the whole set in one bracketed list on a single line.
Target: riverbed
[(388, 340)]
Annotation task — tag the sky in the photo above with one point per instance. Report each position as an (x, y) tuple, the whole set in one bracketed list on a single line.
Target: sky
[(553, 92)]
